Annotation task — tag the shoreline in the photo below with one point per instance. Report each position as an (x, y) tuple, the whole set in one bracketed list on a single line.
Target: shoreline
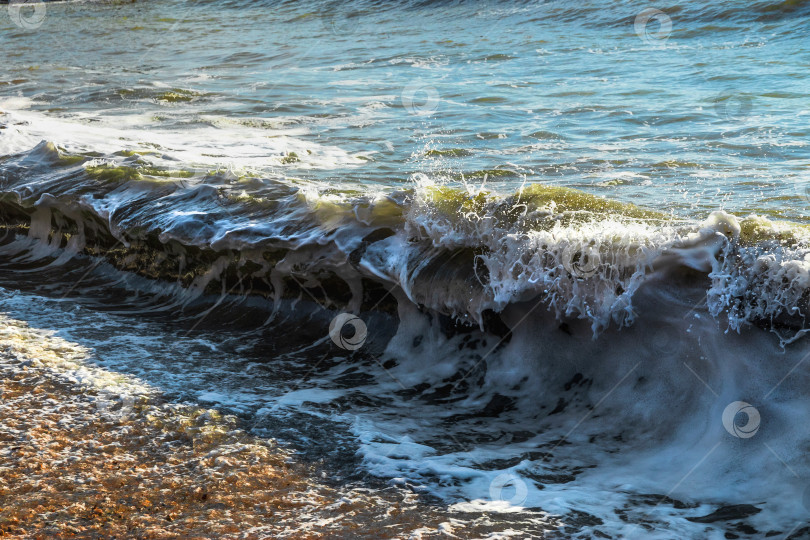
[(87, 453)]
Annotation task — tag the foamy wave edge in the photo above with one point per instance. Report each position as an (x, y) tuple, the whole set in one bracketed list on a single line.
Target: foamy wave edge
[(461, 252)]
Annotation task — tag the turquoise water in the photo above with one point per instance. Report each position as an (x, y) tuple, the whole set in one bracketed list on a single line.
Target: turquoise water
[(708, 114), (350, 225)]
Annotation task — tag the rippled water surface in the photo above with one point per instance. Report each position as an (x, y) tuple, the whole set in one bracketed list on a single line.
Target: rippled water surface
[(707, 110)]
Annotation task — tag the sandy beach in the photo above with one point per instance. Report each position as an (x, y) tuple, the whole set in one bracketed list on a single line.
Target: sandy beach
[(86, 453)]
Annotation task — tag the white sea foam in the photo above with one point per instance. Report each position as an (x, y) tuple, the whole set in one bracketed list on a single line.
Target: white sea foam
[(222, 145)]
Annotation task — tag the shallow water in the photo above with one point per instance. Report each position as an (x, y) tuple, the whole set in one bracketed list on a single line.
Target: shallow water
[(542, 264)]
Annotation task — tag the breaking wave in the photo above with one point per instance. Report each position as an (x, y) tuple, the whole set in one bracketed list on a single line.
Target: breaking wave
[(459, 251)]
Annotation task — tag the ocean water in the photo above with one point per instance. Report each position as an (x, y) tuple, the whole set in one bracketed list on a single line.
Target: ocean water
[(544, 264)]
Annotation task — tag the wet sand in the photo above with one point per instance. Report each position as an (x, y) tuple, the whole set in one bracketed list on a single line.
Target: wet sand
[(85, 453)]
